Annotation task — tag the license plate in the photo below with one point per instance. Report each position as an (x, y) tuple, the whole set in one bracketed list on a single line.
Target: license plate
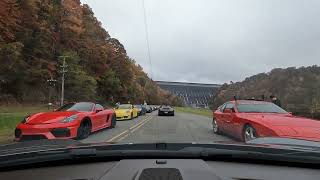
[(166, 112)]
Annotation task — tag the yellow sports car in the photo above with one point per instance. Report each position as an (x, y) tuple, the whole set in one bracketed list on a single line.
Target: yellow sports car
[(126, 111)]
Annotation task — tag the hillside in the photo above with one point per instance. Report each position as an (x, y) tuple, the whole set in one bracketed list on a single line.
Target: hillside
[(35, 36), (297, 88)]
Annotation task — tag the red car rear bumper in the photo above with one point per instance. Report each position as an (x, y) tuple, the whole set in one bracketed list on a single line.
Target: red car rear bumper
[(46, 131)]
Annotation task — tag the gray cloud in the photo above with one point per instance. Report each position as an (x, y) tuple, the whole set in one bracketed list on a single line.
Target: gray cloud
[(215, 41)]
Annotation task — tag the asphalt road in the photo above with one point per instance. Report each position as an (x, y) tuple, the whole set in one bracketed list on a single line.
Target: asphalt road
[(151, 128)]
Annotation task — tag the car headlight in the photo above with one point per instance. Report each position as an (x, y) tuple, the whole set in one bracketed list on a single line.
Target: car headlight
[(25, 119), (69, 119), (128, 111)]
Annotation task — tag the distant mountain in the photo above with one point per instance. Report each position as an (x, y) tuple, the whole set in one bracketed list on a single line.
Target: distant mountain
[(297, 88), (35, 35)]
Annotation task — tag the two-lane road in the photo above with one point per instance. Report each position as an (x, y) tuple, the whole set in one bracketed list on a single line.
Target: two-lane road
[(152, 128)]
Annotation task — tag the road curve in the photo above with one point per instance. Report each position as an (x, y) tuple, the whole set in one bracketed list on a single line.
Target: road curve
[(151, 128)]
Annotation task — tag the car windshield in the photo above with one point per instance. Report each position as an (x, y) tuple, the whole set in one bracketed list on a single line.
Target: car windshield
[(76, 107), (159, 71), (165, 106), (124, 106), (260, 108)]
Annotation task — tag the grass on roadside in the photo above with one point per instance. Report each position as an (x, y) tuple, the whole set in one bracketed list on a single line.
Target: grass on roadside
[(10, 116), (197, 111)]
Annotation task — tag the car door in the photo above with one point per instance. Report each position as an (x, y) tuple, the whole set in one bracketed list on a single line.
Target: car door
[(100, 116), (227, 117), (236, 124), (219, 117)]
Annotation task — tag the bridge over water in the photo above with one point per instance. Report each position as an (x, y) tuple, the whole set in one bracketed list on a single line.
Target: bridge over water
[(192, 94)]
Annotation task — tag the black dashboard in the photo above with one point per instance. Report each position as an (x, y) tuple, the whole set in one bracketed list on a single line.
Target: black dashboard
[(162, 169)]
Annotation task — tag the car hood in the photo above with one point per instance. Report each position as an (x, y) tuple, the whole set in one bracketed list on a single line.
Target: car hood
[(282, 120), (122, 111), (288, 125), (49, 117)]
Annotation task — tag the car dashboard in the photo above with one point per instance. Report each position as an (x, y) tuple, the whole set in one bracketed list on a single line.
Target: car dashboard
[(161, 169)]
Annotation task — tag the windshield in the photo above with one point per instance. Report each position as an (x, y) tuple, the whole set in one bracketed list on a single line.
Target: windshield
[(195, 71), (76, 107), (260, 108), (124, 106), (165, 107)]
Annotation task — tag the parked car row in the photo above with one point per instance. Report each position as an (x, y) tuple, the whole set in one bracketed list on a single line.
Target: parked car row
[(151, 108)]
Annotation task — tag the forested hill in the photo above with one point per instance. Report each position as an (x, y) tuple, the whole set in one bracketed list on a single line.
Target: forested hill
[(298, 89), (35, 35)]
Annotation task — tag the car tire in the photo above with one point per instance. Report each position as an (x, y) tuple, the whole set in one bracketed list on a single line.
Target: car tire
[(84, 130), (249, 133), (215, 127), (113, 121)]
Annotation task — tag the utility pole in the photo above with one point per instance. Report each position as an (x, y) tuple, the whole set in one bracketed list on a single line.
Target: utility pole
[(63, 71), (52, 83)]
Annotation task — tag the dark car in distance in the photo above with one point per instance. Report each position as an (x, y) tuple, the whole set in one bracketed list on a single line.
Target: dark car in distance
[(165, 110)]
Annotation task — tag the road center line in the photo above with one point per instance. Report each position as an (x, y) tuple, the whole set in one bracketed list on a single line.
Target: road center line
[(133, 130), (126, 131), (139, 123), (121, 138), (115, 137)]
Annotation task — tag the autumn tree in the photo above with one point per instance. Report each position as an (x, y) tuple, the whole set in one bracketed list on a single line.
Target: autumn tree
[(35, 33)]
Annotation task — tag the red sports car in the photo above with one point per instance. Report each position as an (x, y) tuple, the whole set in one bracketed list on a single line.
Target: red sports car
[(73, 120), (248, 119)]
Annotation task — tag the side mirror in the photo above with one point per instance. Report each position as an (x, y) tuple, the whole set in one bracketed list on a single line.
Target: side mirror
[(291, 113), (54, 110), (98, 110)]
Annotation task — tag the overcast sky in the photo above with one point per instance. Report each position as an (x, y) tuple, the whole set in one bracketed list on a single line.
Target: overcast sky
[(214, 41)]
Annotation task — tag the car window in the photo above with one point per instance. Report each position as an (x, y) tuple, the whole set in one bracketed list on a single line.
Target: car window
[(228, 106), (83, 106), (125, 106), (221, 108), (165, 107), (98, 106), (64, 61), (260, 108)]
